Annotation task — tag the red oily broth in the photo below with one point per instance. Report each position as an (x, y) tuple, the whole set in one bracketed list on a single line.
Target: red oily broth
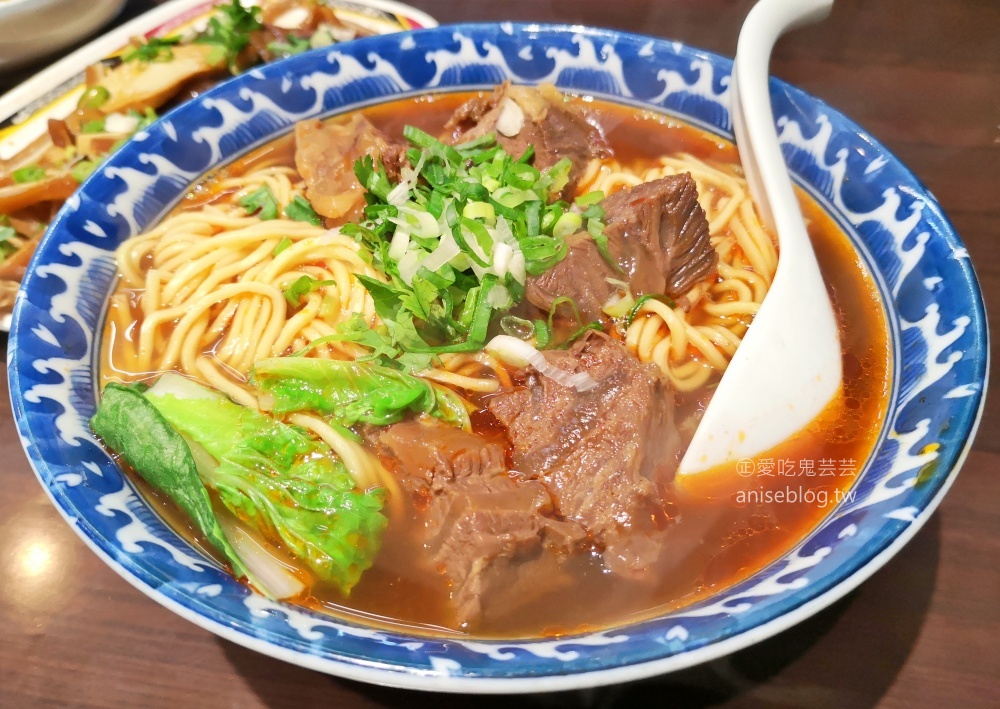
[(718, 531)]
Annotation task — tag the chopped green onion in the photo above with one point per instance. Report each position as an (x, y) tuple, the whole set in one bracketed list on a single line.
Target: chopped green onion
[(642, 301), (480, 210), (517, 327), (564, 300), (93, 127), (28, 173), (455, 240), (282, 245), (567, 225), (522, 176), (543, 334), (475, 143), (589, 198), (594, 325), (432, 144)]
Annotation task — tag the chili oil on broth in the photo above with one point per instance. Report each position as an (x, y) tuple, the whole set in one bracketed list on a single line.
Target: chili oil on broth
[(709, 542)]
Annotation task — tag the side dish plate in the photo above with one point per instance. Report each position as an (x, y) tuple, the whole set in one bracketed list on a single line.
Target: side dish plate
[(929, 290), (54, 92)]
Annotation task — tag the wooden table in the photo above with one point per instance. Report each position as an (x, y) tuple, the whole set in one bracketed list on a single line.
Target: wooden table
[(924, 78)]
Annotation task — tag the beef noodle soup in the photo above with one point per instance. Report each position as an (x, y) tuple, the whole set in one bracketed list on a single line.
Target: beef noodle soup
[(434, 364)]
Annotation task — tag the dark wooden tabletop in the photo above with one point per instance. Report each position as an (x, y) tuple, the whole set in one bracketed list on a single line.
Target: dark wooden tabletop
[(923, 76)]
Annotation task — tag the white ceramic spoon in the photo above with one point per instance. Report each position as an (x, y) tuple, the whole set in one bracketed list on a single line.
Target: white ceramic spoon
[(788, 367)]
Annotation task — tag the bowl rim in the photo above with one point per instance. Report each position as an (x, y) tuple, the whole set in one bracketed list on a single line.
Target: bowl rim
[(850, 574)]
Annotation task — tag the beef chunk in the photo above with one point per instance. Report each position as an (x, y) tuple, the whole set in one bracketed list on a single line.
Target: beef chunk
[(325, 154), (554, 128), (657, 234), (582, 276), (600, 453), (433, 456), (480, 523)]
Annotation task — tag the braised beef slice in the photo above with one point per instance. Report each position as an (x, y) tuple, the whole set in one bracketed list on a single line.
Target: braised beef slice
[(582, 275), (657, 234), (434, 456), (555, 129), (601, 452), (325, 154), (480, 523)]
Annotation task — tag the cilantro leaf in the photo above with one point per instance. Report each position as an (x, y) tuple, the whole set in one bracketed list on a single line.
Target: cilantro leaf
[(154, 49), (262, 201), (229, 31), (300, 210)]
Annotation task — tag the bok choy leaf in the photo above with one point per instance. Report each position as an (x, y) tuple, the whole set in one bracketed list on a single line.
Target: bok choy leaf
[(182, 437), (353, 392), (133, 428), (277, 479)]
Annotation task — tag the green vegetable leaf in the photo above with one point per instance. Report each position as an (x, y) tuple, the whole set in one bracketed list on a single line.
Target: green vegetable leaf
[(262, 202), (154, 49), (93, 126), (28, 173), (300, 210), (281, 481), (133, 428), (351, 392)]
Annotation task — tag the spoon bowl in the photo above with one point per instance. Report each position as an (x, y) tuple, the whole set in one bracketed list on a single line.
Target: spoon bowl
[(788, 366)]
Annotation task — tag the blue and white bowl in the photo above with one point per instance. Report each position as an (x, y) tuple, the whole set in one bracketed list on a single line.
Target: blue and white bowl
[(934, 307)]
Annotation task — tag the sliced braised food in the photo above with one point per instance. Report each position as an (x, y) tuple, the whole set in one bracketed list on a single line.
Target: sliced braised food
[(149, 84), (600, 453), (535, 118), (479, 520), (325, 154), (657, 242), (658, 234)]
